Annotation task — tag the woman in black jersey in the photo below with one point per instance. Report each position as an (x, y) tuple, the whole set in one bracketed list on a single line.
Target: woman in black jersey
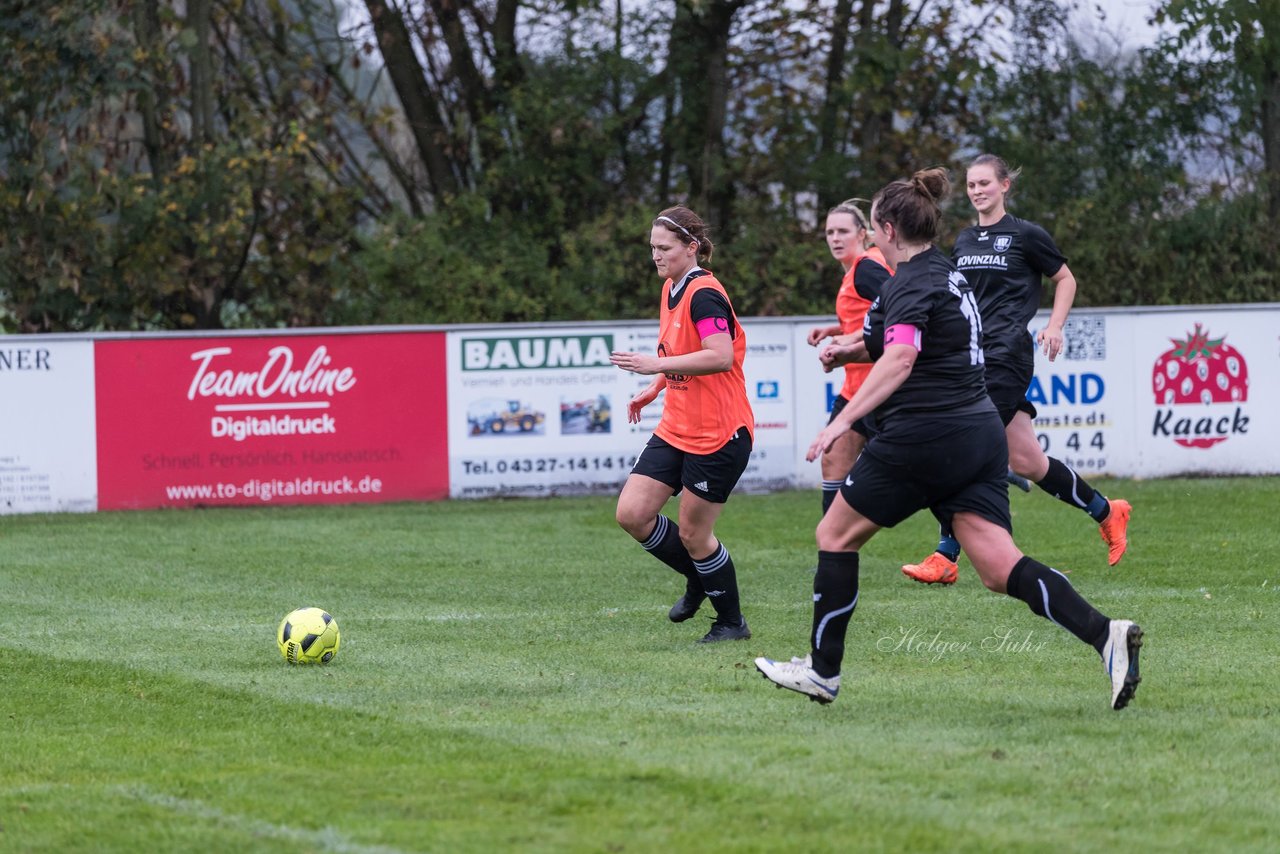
[(939, 444), (1005, 259)]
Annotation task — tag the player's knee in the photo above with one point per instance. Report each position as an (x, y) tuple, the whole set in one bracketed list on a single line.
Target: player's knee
[(834, 537), (831, 543), (634, 523), (994, 583), (1030, 463), (992, 567), (695, 538)]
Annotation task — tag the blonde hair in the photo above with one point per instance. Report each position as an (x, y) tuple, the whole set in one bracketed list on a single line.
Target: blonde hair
[(850, 207)]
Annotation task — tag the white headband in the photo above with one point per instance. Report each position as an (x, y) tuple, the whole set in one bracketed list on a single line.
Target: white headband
[(682, 228)]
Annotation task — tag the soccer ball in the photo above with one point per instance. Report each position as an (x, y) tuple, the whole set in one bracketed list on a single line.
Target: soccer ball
[(308, 636)]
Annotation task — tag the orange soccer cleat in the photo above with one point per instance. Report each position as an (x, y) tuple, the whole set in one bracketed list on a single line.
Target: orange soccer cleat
[(935, 569), (1115, 530)]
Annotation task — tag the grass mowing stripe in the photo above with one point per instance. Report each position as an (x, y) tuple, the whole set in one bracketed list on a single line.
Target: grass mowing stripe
[(508, 679), (325, 839)]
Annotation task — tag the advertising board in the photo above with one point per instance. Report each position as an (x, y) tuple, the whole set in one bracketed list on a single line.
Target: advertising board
[(420, 413), (300, 419), (542, 411), (1206, 394), (1083, 399), (47, 451)]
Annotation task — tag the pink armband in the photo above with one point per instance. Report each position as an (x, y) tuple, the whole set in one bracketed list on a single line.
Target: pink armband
[(709, 326), (902, 333)]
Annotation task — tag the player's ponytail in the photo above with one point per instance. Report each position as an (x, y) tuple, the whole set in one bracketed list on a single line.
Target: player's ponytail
[(914, 205), (933, 183)]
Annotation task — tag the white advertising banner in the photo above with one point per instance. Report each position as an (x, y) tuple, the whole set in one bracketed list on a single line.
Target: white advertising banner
[(816, 392), (1084, 398), (541, 411), (1163, 392), (770, 378), (538, 410), (1206, 393), (48, 456)]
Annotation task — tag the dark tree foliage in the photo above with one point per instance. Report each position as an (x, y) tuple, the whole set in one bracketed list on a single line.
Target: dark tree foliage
[(170, 172), (1105, 141), (257, 163)]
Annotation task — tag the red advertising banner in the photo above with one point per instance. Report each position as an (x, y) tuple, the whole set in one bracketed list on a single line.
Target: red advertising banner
[(297, 419)]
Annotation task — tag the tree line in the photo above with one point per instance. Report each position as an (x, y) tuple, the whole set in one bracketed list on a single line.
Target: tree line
[(266, 163)]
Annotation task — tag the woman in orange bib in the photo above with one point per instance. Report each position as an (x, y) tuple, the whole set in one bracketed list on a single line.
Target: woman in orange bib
[(865, 275), (703, 441)]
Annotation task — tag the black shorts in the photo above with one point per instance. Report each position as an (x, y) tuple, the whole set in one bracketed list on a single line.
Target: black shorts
[(861, 426), (711, 476), (1007, 382), (946, 462)]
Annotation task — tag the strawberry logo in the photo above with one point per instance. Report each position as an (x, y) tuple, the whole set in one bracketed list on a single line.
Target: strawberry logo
[(1199, 370)]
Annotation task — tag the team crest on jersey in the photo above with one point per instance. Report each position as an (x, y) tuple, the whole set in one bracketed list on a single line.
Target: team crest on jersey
[(1002, 243)]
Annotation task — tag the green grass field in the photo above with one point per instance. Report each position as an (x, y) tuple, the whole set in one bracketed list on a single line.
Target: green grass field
[(508, 681)]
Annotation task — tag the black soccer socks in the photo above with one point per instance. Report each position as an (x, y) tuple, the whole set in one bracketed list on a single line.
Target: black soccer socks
[(1049, 594), (835, 595), (720, 583)]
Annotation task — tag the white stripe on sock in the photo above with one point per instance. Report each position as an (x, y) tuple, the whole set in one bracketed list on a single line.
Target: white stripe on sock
[(712, 563), (1075, 488), (1044, 598), (817, 640), (658, 534)]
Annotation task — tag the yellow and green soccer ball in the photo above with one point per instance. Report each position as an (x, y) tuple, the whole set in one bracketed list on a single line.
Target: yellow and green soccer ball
[(308, 636)]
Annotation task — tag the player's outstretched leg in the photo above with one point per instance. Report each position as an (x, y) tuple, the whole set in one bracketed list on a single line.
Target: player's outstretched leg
[(835, 595), (1064, 484), (1049, 594)]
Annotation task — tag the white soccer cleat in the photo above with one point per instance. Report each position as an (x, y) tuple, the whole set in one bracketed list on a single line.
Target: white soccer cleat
[(1120, 656), (799, 675)]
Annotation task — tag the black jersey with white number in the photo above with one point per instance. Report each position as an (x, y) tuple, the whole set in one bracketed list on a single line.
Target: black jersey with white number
[(928, 293), (1006, 263)]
